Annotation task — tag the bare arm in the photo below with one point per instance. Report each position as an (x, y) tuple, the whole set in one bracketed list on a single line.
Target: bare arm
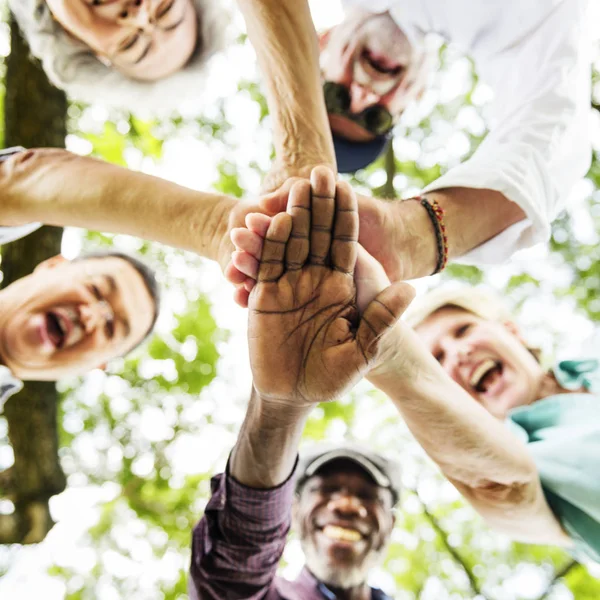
[(401, 236), (267, 445), (285, 41), (60, 188), (476, 452)]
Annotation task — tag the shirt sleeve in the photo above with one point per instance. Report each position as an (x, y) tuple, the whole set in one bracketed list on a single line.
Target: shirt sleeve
[(563, 436), (10, 234), (238, 544), (538, 146)]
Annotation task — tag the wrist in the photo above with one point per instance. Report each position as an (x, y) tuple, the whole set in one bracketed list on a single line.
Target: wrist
[(267, 445), (416, 239), (402, 365)]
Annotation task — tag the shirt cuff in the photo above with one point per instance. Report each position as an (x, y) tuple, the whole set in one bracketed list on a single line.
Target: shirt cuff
[(255, 506)]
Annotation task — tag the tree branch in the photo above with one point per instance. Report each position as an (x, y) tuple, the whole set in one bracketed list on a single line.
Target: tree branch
[(560, 574), (474, 584)]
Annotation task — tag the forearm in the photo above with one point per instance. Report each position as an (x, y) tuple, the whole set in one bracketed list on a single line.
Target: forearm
[(471, 217), (267, 446), (57, 187), (286, 45), (469, 444)]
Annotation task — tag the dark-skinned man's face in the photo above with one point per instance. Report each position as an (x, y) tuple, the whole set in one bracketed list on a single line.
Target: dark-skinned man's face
[(345, 520)]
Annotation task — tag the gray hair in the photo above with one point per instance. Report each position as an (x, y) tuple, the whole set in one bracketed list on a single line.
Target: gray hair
[(73, 67)]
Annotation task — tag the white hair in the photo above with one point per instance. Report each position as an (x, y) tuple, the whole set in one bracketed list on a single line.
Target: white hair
[(73, 67)]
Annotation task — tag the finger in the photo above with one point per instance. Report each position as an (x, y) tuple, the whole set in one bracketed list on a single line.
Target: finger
[(249, 284), (247, 241), (271, 261), (322, 182), (240, 297), (345, 232), (234, 275), (298, 247), (369, 277), (258, 223), (245, 263), (276, 202), (381, 315)]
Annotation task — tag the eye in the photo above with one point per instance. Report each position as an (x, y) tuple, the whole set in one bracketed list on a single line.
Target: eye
[(163, 9), (129, 42), (95, 291), (462, 330), (109, 329)]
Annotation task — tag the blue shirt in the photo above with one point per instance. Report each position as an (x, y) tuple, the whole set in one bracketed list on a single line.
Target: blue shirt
[(563, 434)]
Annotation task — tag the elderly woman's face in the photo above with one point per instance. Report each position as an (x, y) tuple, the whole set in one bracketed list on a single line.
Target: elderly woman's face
[(144, 39), (488, 359)]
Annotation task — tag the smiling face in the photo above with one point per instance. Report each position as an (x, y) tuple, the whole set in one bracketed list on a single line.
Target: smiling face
[(486, 358), (71, 317), (372, 57), (144, 39), (345, 521)]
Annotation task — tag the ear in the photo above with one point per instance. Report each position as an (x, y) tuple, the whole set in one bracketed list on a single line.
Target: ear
[(513, 328), (50, 263), (324, 38)]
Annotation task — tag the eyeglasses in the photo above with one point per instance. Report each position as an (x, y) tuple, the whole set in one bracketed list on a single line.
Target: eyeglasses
[(376, 119)]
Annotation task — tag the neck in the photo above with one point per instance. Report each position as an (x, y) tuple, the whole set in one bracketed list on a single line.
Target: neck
[(360, 592), (549, 386)]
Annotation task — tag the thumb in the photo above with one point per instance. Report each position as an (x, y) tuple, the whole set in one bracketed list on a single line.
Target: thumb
[(369, 277), (381, 315), (276, 201)]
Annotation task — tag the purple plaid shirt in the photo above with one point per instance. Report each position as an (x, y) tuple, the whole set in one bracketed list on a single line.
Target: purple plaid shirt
[(238, 544)]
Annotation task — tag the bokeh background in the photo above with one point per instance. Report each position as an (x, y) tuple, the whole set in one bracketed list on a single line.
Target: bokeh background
[(139, 442)]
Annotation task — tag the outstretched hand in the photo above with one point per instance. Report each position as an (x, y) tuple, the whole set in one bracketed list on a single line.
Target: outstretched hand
[(309, 342)]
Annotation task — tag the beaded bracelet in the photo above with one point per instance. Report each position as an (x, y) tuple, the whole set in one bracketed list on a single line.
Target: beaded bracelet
[(436, 215)]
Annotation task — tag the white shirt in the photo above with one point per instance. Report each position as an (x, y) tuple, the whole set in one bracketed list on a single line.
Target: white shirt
[(10, 234), (536, 56), (9, 385)]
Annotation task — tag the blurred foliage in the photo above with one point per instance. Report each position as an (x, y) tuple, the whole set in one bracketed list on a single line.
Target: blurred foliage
[(145, 436)]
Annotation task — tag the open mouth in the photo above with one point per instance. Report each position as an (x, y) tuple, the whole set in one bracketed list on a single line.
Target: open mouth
[(57, 329), (381, 64), (342, 534), (486, 375)]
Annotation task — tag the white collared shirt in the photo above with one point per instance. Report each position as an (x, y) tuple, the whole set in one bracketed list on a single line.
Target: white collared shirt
[(536, 56)]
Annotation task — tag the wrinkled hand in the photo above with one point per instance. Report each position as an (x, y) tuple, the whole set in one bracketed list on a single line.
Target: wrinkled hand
[(308, 340), (382, 232)]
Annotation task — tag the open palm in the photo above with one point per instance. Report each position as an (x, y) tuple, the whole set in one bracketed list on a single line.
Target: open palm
[(308, 341)]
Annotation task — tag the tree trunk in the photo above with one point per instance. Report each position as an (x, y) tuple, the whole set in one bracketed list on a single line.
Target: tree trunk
[(35, 116)]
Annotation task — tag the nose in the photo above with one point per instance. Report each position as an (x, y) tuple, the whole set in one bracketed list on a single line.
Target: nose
[(347, 505), (94, 315), (456, 353), (137, 14), (361, 97)]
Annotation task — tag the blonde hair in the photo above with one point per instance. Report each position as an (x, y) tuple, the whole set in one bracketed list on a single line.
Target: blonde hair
[(73, 67)]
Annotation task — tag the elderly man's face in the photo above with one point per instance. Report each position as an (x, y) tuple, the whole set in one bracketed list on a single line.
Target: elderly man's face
[(345, 521), (373, 59), (68, 317), (144, 39), (486, 358)]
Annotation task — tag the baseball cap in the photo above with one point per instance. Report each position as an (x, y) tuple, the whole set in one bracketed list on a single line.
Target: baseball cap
[(478, 301), (352, 156), (384, 472)]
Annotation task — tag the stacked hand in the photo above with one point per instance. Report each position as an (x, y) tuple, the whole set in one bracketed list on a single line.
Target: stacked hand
[(309, 340)]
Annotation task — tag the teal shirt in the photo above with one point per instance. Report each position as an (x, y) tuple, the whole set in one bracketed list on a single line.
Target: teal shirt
[(563, 434)]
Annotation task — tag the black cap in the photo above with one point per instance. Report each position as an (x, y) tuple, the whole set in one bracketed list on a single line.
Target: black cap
[(384, 472), (352, 156)]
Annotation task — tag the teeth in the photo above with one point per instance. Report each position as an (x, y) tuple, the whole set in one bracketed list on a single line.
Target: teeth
[(480, 371), (341, 533)]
